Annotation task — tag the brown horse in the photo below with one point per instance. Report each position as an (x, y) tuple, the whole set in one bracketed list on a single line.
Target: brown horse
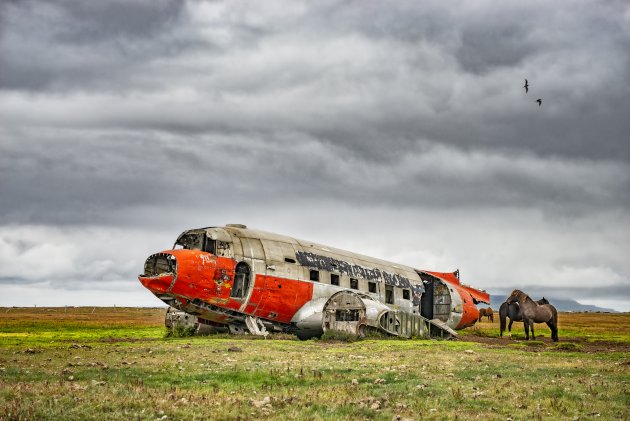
[(513, 312), (535, 313), (487, 312)]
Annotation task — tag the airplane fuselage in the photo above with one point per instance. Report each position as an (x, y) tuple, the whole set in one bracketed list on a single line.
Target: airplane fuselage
[(227, 275)]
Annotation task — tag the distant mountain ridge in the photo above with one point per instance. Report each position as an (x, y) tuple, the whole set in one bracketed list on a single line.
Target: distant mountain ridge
[(561, 304)]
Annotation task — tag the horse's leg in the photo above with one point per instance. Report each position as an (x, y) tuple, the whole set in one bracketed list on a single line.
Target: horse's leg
[(510, 326), (554, 330), (526, 326), (531, 325), (503, 313), (553, 324)]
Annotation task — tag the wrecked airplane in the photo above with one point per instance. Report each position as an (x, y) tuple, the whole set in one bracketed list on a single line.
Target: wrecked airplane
[(248, 281)]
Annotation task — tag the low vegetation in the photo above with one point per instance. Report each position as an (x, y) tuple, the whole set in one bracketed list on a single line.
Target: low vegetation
[(179, 331), (84, 363), (591, 327)]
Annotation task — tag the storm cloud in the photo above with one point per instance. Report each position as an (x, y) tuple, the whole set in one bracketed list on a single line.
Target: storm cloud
[(396, 130)]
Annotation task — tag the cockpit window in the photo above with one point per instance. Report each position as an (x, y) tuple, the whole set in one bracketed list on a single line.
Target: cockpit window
[(195, 241), (190, 241)]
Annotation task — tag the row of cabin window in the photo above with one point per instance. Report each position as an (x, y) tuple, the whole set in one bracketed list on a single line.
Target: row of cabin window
[(354, 284)]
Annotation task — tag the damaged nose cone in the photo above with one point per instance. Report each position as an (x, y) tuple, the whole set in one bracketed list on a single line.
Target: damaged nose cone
[(160, 270)]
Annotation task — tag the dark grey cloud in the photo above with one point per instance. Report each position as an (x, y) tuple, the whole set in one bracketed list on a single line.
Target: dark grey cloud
[(145, 118), (73, 45), (349, 76), (94, 22), (84, 177)]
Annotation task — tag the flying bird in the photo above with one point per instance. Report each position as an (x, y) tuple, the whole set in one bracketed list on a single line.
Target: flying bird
[(539, 101), (526, 86)]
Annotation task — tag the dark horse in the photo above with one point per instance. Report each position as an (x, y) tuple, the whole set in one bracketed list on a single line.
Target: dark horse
[(487, 312), (535, 313), (513, 312)]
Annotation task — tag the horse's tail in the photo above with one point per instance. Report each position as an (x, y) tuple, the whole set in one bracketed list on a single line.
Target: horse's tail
[(503, 310)]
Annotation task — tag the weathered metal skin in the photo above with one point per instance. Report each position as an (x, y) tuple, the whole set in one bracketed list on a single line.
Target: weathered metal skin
[(248, 279), (373, 274), (352, 312)]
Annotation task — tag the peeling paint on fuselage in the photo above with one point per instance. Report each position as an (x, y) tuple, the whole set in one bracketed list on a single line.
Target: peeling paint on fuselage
[(331, 264)]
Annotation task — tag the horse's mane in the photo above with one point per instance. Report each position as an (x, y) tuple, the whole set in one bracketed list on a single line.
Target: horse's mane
[(528, 298), (540, 302)]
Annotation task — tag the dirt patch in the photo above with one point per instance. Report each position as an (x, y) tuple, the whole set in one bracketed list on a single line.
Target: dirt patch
[(546, 344)]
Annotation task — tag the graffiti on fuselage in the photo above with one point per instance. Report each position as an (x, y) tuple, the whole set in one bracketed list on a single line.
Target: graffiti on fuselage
[(331, 264)]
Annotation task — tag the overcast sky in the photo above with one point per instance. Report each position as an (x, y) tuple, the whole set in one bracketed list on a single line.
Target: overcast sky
[(399, 130)]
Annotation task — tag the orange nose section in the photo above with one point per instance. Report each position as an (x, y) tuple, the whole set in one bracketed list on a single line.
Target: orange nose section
[(188, 274), (157, 284), (160, 270), (196, 274)]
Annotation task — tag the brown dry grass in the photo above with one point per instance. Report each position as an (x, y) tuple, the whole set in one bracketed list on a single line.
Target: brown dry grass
[(87, 316)]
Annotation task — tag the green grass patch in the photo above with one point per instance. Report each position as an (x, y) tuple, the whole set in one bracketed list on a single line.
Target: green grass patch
[(568, 346), (338, 336), (225, 378), (179, 331)]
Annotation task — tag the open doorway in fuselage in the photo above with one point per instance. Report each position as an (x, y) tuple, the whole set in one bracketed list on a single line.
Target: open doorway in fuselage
[(241, 281), (436, 300), (426, 302)]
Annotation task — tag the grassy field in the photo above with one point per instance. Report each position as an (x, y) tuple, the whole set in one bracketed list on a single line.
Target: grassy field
[(106, 363)]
